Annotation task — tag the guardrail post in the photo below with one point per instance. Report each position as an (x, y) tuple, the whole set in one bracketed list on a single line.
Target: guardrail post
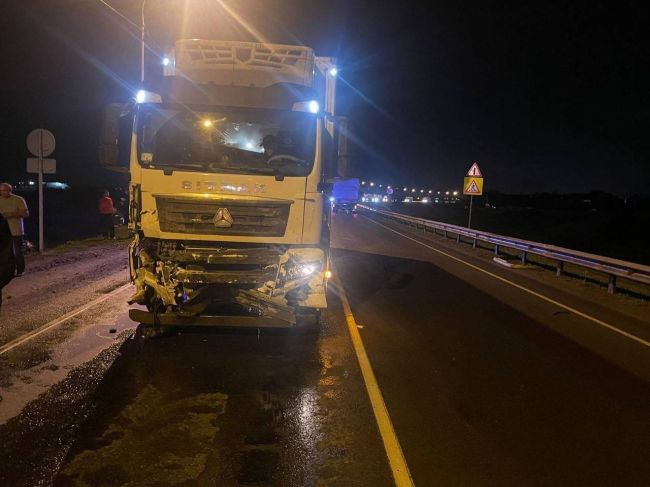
[(474, 243), (496, 250), (560, 268), (445, 233), (611, 285), (458, 238), (524, 257)]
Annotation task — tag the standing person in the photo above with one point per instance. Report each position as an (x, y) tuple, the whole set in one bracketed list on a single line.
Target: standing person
[(106, 210), (14, 209), (7, 261)]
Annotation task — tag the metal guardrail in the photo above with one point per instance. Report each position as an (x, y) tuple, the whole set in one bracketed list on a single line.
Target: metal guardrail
[(613, 268)]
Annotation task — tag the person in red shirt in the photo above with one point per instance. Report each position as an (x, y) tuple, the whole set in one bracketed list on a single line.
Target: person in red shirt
[(106, 211)]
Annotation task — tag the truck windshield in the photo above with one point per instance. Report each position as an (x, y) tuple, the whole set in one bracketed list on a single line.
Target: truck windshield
[(227, 140)]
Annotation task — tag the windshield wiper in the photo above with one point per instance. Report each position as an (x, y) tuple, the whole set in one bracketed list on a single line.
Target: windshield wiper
[(285, 159), (240, 169)]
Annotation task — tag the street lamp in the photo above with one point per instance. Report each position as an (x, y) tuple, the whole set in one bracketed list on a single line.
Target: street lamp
[(142, 41)]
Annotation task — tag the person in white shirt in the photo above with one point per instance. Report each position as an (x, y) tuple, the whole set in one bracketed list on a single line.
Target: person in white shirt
[(14, 209)]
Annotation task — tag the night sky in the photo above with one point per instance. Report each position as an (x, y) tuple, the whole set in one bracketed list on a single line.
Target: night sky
[(545, 96)]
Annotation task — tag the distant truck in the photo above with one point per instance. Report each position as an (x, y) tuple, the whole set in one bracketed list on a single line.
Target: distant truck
[(345, 195)]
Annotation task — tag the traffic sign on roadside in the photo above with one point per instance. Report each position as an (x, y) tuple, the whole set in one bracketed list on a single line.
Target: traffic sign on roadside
[(473, 186), (49, 165), (40, 142), (474, 171)]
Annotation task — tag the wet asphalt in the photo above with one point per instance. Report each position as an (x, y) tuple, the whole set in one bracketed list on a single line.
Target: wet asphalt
[(480, 381), (204, 407), (481, 388)]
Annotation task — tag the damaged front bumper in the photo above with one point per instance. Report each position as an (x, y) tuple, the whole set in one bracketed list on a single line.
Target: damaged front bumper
[(188, 283)]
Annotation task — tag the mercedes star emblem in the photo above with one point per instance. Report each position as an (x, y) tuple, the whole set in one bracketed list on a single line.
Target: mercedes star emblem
[(222, 218)]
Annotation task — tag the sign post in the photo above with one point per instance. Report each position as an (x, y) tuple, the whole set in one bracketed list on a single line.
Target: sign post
[(41, 143), (473, 186)]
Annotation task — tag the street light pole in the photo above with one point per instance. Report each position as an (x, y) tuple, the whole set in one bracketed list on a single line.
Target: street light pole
[(142, 42)]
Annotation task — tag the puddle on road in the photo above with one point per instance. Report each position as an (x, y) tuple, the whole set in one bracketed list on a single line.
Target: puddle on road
[(154, 441), (33, 368)]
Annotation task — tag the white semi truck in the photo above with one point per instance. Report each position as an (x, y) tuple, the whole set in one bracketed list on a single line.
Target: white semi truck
[(229, 155)]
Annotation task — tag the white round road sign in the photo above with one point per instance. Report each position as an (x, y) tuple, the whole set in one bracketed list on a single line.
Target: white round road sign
[(40, 142)]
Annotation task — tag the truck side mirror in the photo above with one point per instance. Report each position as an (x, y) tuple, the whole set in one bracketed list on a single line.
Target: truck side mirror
[(115, 138), (343, 167)]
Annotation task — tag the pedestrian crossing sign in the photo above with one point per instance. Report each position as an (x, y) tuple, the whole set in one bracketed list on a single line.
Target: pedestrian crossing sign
[(473, 186)]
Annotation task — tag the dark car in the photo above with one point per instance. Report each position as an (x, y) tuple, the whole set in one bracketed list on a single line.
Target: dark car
[(344, 206)]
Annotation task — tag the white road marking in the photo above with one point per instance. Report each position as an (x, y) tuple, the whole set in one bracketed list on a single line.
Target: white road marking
[(42, 329), (518, 286)]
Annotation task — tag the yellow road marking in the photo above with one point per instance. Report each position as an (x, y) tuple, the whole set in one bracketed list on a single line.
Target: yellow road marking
[(42, 329), (398, 466), (518, 286)]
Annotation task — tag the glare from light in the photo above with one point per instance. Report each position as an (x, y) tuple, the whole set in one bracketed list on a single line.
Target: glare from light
[(333, 71), (363, 182), (405, 189), (430, 191), (165, 61), (141, 96), (328, 274), (421, 191), (380, 185), (371, 183), (313, 106), (413, 190), (307, 269), (249, 145), (447, 193), (455, 193), (332, 199), (425, 200), (207, 123), (31, 183)]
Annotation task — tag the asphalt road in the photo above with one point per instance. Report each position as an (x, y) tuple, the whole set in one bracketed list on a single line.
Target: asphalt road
[(480, 387), (485, 383)]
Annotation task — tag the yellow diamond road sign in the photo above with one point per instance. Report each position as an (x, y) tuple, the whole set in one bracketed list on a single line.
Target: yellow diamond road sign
[(473, 186)]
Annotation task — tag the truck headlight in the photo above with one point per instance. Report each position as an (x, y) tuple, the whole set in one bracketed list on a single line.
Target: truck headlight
[(298, 271)]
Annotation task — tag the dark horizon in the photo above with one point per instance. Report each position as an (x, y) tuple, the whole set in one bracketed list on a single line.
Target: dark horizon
[(546, 98)]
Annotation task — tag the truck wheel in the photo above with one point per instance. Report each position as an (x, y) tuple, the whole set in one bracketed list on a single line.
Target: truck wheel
[(149, 331)]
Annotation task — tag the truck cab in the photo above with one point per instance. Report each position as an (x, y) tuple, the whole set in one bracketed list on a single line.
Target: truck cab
[(228, 156)]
